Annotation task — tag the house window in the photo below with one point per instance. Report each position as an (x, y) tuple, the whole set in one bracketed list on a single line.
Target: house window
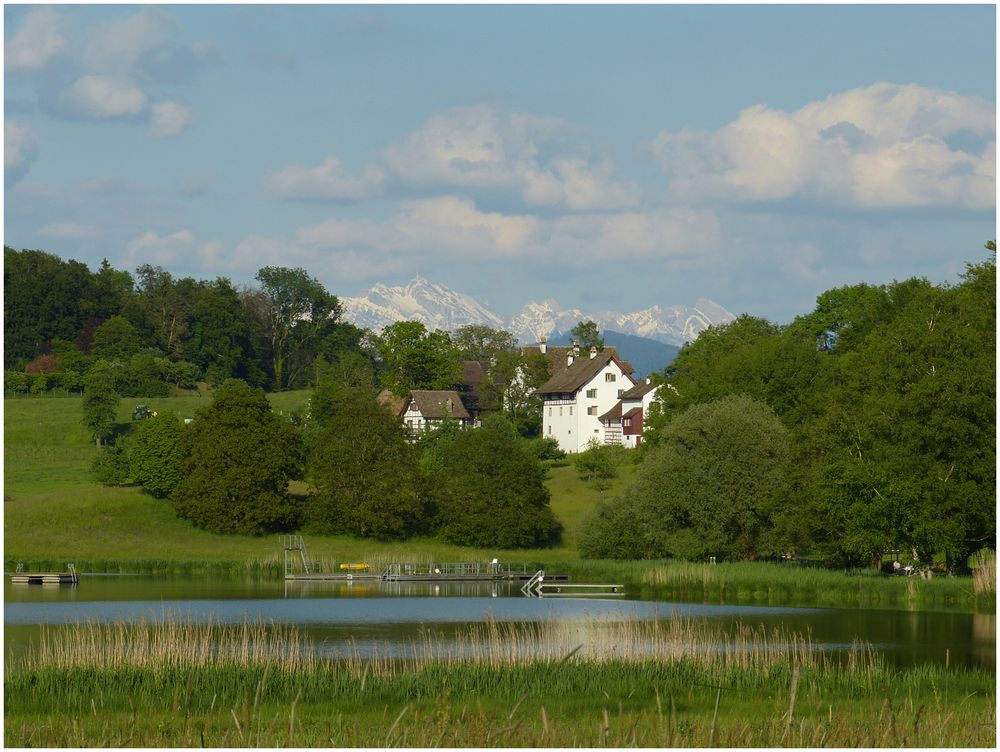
[(550, 412), (592, 393), (609, 377), (628, 421), (570, 409), (592, 410), (560, 412), (620, 393), (550, 429)]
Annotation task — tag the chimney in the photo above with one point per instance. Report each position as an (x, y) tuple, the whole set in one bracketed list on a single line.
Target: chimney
[(593, 351), (448, 406), (569, 358), (649, 380), (576, 348), (541, 345)]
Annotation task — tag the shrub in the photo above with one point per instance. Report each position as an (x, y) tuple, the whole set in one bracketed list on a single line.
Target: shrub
[(155, 453), (111, 466)]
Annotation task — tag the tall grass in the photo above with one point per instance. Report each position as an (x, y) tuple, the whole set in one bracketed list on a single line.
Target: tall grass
[(633, 683), (984, 572)]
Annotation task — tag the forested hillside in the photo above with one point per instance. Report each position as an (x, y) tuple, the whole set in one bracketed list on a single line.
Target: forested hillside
[(877, 411)]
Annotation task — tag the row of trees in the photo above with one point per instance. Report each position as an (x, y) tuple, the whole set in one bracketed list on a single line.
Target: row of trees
[(229, 470), (865, 427)]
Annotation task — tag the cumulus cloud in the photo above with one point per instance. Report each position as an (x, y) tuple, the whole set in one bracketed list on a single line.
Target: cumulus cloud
[(169, 119), (102, 97), (539, 162), (453, 228), (20, 147), (328, 181), (123, 43), (39, 41), (884, 145), (179, 249)]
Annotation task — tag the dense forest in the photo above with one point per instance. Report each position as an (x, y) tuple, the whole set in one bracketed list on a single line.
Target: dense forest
[(865, 428)]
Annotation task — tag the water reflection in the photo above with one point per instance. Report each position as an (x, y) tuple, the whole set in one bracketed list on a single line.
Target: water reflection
[(367, 613)]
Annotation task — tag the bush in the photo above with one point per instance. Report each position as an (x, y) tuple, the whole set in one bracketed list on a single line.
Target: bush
[(155, 453), (599, 461), (111, 466), (17, 382), (545, 448), (614, 530)]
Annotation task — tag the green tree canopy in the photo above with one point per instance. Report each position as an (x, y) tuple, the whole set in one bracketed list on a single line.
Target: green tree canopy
[(237, 458), (490, 490), (588, 335), (116, 339), (479, 342), (710, 487), (364, 471), (154, 453), (413, 358), (100, 402)]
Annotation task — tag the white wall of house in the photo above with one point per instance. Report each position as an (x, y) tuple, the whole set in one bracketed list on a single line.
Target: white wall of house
[(572, 419)]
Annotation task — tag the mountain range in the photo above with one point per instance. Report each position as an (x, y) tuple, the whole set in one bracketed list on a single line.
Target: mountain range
[(438, 307)]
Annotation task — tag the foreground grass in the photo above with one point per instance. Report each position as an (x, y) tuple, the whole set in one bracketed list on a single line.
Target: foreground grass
[(673, 683)]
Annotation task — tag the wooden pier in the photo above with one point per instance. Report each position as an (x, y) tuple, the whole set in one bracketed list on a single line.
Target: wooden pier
[(45, 578)]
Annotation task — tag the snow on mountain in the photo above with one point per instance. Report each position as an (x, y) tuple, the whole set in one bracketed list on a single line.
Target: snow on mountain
[(438, 307), (435, 306)]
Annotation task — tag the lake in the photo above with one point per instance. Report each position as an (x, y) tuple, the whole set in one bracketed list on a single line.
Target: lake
[(366, 616)]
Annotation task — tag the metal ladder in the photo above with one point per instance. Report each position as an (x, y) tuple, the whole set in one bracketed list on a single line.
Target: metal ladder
[(530, 587), (295, 543)]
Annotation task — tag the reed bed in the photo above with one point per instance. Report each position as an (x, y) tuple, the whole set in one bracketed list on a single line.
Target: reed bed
[(984, 572), (626, 682)]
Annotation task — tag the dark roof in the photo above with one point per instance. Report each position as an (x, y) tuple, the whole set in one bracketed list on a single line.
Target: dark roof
[(631, 413), (439, 404), (473, 372), (614, 412), (570, 378), (639, 390)]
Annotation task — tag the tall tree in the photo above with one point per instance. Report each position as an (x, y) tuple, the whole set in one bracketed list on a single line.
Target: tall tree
[(413, 358), (588, 335), (116, 339), (237, 458), (154, 453), (100, 402), (365, 472), (479, 342), (294, 311), (219, 337)]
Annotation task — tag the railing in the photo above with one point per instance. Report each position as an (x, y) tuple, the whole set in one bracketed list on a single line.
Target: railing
[(452, 569)]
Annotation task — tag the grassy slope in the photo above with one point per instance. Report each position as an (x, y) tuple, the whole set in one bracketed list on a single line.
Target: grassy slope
[(54, 510)]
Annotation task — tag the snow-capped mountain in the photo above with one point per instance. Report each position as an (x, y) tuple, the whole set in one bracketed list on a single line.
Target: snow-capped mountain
[(434, 306), (438, 307)]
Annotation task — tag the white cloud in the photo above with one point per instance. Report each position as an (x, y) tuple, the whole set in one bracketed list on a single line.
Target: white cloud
[(20, 147), (102, 97), (880, 146), (453, 228), (169, 119), (121, 44), (39, 41), (180, 249), (537, 161), (67, 230), (328, 181)]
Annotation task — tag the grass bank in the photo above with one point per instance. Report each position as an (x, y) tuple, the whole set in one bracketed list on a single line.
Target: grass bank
[(650, 684)]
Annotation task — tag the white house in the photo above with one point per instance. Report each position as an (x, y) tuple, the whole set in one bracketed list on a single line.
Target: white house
[(581, 389)]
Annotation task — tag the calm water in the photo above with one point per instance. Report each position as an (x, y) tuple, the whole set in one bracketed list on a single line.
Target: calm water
[(373, 615)]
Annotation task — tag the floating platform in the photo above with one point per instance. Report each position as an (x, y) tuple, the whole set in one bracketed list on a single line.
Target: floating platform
[(45, 578)]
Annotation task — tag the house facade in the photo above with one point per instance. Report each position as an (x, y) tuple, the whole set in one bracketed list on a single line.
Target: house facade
[(424, 409), (623, 423), (583, 387)]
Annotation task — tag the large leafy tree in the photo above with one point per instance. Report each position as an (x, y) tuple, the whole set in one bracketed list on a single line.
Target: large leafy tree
[(709, 488), (490, 490), (116, 339), (485, 343), (364, 471), (237, 458), (294, 311), (413, 358), (219, 337)]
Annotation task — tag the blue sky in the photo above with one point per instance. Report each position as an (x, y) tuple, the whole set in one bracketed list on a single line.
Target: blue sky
[(605, 157)]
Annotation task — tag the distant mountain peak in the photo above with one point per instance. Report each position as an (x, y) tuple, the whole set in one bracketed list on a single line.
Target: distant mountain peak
[(439, 307)]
